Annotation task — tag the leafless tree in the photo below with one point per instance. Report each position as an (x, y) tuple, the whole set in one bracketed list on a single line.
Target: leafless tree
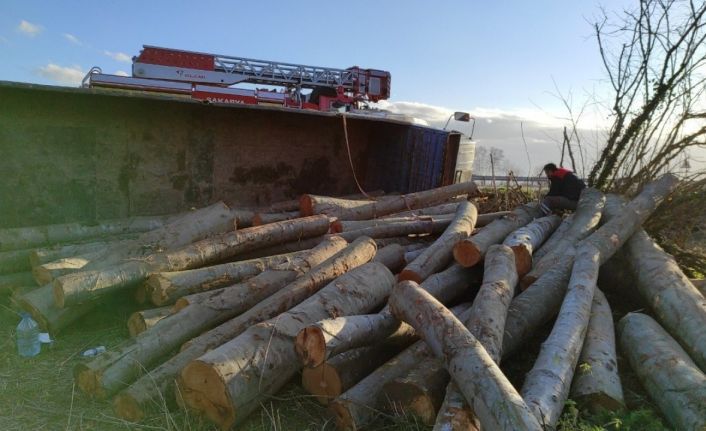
[(655, 59)]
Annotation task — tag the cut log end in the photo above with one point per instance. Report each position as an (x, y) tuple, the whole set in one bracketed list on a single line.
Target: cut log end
[(257, 220), (343, 416), (157, 287), (85, 379), (42, 275), (204, 390), (408, 399), (336, 226), (310, 345), (466, 254), (459, 419), (136, 324), (58, 294), (306, 206), (408, 274), (323, 382), (523, 260), (127, 408), (141, 294), (527, 281), (180, 304)]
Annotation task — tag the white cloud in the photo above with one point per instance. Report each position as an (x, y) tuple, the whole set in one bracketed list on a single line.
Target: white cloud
[(121, 73), (71, 38), (71, 75), (29, 29), (118, 56)]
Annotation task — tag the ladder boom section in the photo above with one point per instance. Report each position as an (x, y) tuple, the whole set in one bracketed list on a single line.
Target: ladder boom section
[(177, 65)]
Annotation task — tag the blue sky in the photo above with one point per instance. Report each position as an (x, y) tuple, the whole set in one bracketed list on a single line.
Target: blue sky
[(493, 58), (493, 54)]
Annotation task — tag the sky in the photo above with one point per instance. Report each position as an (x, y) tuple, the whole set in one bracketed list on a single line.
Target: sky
[(503, 61)]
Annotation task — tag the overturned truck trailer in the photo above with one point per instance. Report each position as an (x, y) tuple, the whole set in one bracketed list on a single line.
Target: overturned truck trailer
[(76, 154)]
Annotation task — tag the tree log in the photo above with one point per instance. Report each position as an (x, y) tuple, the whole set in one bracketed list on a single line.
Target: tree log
[(487, 324), (585, 220), (441, 209), (528, 238), (133, 402), (340, 226), (665, 370), (228, 383), (700, 285), (546, 386), (39, 256), (293, 205), (470, 251), (392, 256), (359, 405), (166, 287), (405, 240), (337, 375), (420, 226), (438, 255), (420, 392), (265, 218), (40, 304), (322, 340), (554, 239), (37, 236), (85, 286), (140, 321), (597, 384), (363, 210), (284, 248), (168, 334), (677, 304), (496, 403)]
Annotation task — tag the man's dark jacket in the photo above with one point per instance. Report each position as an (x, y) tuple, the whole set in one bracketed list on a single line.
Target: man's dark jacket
[(565, 183)]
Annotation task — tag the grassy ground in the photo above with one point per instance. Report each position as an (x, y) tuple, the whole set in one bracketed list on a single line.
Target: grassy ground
[(38, 393)]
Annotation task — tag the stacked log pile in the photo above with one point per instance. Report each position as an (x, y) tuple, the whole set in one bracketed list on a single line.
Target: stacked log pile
[(398, 305)]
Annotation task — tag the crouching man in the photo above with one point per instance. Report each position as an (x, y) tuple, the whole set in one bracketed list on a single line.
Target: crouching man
[(564, 190)]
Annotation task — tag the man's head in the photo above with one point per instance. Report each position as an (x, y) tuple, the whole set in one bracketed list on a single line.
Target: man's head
[(549, 169)]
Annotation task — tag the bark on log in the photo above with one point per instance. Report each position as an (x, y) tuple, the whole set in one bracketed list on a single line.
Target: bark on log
[(265, 218), (421, 226), (472, 250), (293, 205), (287, 247), (677, 304), (405, 240), (546, 386), (40, 256), (229, 382), (665, 370), (438, 255), (585, 220), (168, 334), (700, 285), (133, 402), (363, 210), (528, 238), (40, 304), (597, 384), (554, 239), (538, 304), (392, 256), (322, 340), (37, 236), (487, 324), (140, 321), (166, 287), (337, 375), (496, 403), (359, 405), (441, 209), (85, 286), (340, 226)]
